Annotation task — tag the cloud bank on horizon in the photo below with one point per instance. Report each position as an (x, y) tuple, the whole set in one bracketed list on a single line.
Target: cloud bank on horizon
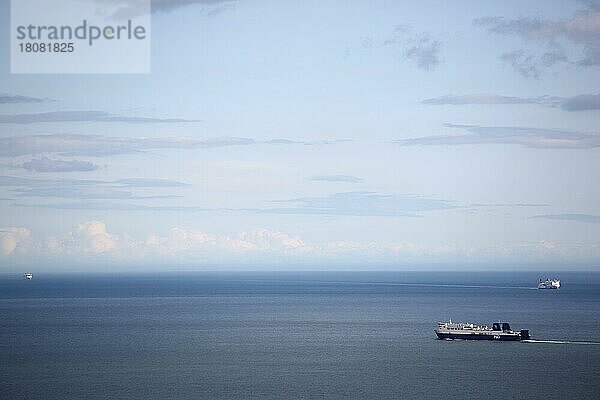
[(91, 243)]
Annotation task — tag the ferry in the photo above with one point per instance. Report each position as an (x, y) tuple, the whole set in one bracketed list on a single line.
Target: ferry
[(549, 284), (467, 331), (28, 276)]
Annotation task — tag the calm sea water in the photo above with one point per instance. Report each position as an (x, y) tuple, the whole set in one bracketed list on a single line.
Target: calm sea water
[(294, 336)]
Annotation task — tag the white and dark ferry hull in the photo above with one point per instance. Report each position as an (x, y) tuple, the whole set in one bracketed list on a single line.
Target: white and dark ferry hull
[(502, 337)]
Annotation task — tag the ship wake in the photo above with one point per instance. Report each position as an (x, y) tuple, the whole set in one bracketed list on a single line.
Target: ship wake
[(562, 342)]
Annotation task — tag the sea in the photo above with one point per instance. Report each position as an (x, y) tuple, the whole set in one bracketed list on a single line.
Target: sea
[(295, 335)]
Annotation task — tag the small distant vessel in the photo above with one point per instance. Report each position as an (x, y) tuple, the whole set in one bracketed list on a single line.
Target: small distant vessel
[(549, 284), (467, 331), (28, 276)]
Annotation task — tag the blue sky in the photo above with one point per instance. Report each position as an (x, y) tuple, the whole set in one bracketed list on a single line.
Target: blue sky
[(314, 134)]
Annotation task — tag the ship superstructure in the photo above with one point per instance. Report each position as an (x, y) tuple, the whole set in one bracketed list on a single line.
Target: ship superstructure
[(468, 331), (549, 284)]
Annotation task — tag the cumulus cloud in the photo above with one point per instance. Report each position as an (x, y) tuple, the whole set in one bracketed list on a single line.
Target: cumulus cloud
[(349, 247), (336, 178), (179, 239), (92, 237), (92, 240), (582, 29), (244, 242), (551, 250), (11, 238), (264, 240), (46, 164), (18, 99), (81, 116), (529, 137), (576, 103), (95, 238), (274, 242)]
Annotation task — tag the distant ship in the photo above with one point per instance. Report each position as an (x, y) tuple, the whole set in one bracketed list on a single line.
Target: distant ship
[(28, 276), (500, 331), (549, 284)]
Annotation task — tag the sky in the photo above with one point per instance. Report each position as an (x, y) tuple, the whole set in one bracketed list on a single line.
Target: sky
[(314, 135)]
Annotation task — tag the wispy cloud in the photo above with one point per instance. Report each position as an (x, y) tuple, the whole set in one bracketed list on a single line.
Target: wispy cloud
[(509, 205), (582, 102), (582, 29), (425, 53), (529, 137), (284, 141), (132, 9), (120, 206), (576, 103), (398, 36), (529, 64), (81, 116), (485, 98), (594, 219), (369, 204), (170, 5), (80, 192), (523, 62), (18, 99), (85, 189), (361, 204), (336, 178), (419, 48), (149, 182), (46, 164), (97, 145)]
